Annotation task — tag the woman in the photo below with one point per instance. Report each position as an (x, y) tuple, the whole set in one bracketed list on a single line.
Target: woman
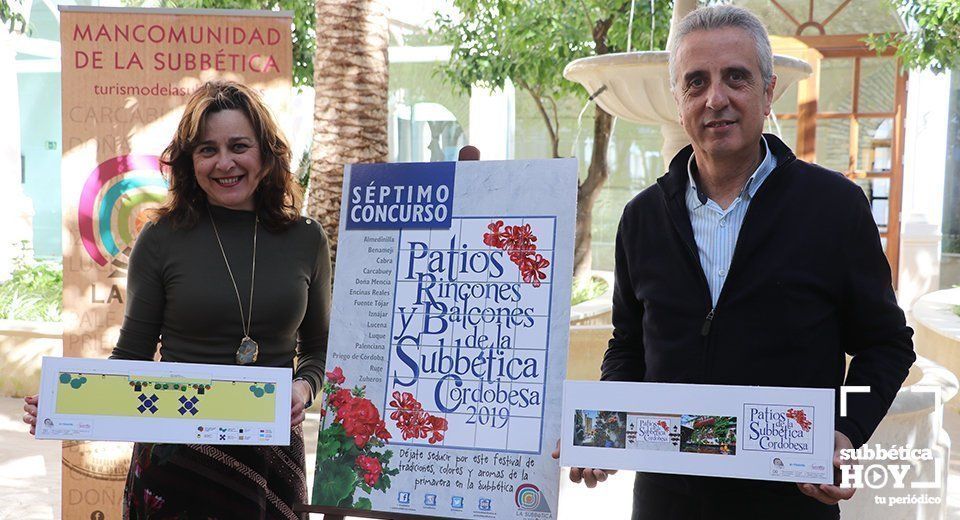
[(227, 272)]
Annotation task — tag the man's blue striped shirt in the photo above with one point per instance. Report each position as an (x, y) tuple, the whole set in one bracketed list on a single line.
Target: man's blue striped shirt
[(716, 229)]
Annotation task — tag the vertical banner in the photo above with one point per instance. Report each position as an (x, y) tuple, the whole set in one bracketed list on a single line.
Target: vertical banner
[(126, 75), (448, 343)]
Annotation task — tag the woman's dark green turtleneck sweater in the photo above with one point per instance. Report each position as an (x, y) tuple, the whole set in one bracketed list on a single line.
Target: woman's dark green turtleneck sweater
[(180, 295)]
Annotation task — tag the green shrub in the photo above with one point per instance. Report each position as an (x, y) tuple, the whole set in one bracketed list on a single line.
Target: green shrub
[(590, 288), (33, 293)]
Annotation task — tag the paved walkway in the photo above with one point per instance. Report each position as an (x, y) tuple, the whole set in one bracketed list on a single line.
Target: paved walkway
[(30, 475)]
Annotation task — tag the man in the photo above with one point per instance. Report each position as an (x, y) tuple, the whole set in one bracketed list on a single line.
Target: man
[(746, 266)]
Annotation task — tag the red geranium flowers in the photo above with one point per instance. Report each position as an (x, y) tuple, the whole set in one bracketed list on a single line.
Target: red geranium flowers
[(356, 438), (413, 421), (336, 377), (519, 243), (371, 467), (359, 417), (361, 420), (800, 417)]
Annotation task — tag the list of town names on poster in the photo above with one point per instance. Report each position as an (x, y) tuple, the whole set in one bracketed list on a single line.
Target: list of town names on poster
[(371, 297)]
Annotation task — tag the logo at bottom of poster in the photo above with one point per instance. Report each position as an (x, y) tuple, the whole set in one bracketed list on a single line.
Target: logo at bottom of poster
[(529, 498)]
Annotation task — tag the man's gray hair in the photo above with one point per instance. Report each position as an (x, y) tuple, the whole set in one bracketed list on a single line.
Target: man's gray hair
[(720, 17)]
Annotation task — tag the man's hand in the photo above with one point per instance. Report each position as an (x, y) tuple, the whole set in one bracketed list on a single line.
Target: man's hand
[(589, 476), (298, 398), (830, 494)]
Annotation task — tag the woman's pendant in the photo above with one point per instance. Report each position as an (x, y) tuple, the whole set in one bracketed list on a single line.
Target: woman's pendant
[(247, 353)]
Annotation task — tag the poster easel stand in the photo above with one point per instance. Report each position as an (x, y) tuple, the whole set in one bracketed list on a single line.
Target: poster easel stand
[(336, 513), (467, 153)]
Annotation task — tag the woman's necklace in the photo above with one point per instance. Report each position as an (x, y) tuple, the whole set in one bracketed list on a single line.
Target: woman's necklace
[(247, 353)]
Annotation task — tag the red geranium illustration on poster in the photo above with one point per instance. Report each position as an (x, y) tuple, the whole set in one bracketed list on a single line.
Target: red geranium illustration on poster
[(351, 451), (800, 417), (414, 422), (519, 243)]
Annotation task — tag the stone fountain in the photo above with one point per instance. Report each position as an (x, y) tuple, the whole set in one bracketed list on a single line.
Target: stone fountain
[(638, 84)]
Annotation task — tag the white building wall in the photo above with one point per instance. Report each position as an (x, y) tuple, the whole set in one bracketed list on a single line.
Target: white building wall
[(492, 120), (924, 160), (16, 211)]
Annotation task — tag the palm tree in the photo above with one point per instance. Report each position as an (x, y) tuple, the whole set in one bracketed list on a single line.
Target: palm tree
[(350, 114)]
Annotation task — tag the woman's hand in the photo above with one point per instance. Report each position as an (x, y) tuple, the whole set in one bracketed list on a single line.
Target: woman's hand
[(302, 391), (32, 402)]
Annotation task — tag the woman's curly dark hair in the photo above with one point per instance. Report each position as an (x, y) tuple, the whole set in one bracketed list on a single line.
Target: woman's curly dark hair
[(278, 197)]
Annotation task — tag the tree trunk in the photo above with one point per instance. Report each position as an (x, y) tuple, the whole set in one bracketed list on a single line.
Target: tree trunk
[(589, 191), (553, 125), (350, 114)]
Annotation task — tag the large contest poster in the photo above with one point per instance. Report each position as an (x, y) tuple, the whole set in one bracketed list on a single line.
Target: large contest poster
[(448, 339), (126, 75)]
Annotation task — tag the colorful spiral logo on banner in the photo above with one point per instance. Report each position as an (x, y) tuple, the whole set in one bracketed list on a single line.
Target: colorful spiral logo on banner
[(528, 496), (113, 206)]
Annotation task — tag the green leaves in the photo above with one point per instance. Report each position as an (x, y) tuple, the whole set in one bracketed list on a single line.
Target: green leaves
[(500, 40), (33, 291), (333, 482), (384, 483), (933, 37), (329, 441), (385, 459), (11, 18), (530, 42)]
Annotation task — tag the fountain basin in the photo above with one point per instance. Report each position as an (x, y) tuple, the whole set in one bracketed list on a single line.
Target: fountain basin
[(638, 83), (638, 89), (937, 329)]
